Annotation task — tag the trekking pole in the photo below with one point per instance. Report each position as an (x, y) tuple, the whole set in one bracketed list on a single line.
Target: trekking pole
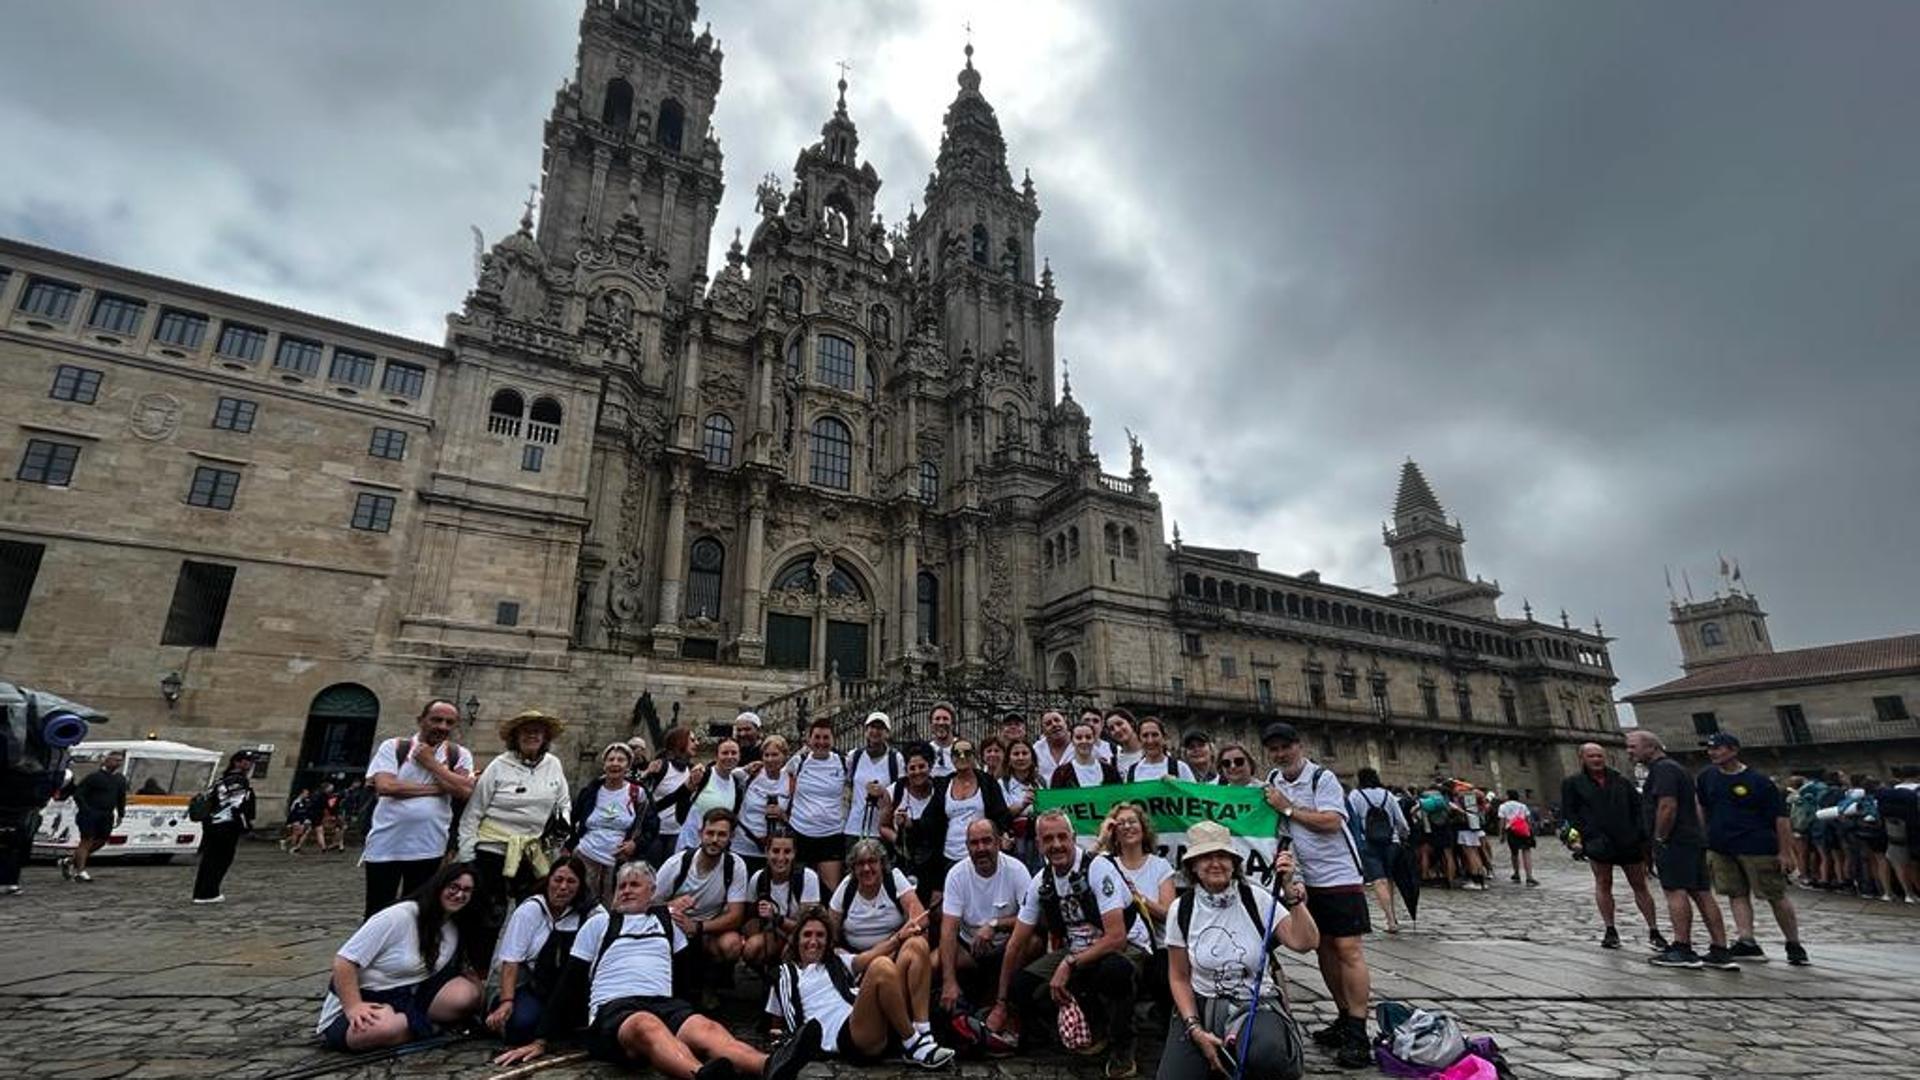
[(1281, 843), (338, 1063), (542, 1065)]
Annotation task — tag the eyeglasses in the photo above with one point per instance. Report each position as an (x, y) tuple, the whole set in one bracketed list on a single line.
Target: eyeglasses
[(1234, 762), (459, 890), (963, 751)]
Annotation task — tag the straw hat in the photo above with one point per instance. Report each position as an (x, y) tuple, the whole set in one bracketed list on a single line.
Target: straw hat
[(1207, 838), (510, 727)]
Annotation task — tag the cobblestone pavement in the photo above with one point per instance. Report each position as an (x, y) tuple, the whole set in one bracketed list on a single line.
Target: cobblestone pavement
[(123, 977)]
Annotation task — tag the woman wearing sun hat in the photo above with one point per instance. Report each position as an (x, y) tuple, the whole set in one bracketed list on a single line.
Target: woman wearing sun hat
[(516, 798), (1214, 953)]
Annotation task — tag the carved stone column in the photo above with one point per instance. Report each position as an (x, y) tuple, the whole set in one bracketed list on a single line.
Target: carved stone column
[(673, 558), (597, 193), (751, 645), (970, 592), (909, 613), (687, 420), (669, 191)]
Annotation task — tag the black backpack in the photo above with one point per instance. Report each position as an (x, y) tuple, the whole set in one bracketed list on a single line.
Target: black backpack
[(1377, 826), (888, 888), (686, 870), (616, 920), (1183, 910)]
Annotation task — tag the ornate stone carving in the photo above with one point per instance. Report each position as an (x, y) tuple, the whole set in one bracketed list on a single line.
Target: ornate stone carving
[(723, 389), (155, 416)]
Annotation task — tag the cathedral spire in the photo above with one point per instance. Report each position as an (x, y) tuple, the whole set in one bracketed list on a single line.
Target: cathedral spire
[(1415, 494)]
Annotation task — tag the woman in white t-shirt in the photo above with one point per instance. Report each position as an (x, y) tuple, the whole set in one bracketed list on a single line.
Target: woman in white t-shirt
[(1236, 766), (719, 786), (1214, 951), (1127, 838), (1021, 782), (859, 1000), (533, 949), (1124, 738), (663, 778), (775, 896), (1085, 767), (876, 905), (764, 806), (1154, 761), (612, 816), (400, 975)]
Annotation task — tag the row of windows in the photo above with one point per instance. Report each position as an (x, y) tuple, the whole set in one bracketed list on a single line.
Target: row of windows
[(1248, 598), (1065, 546), (1887, 708), (830, 454), (112, 313), (82, 387), (53, 463), (195, 615)]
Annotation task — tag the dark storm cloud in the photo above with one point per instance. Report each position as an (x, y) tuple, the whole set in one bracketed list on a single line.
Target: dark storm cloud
[(1635, 282)]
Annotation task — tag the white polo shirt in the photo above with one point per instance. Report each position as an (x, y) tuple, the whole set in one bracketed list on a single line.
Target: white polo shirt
[(1326, 859)]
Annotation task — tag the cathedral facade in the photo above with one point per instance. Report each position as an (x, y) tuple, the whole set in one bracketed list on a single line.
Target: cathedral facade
[(842, 468)]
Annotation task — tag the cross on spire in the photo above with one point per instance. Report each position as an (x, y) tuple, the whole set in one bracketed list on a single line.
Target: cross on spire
[(526, 218)]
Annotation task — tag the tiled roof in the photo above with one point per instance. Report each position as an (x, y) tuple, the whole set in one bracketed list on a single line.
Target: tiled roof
[(1822, 663), (1414, 493)]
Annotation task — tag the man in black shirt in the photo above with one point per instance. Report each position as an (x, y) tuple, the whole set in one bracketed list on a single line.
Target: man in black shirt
[(1679, 855), (99, 801), (1604, 809)]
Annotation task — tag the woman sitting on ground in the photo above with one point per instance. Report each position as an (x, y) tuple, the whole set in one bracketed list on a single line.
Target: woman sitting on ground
[(400, 974), (533, 949), (865, 1003), (612, 819), (777, 893), (875, 906), (1213, 952), (1085, 768)]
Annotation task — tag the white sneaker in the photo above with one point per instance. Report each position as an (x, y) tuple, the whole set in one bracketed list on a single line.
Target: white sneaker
[(923, 1051), (82, 875), (221, 899), (11, 890)]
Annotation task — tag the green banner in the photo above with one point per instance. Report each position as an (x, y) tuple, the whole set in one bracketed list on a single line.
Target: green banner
[(1172, 805)]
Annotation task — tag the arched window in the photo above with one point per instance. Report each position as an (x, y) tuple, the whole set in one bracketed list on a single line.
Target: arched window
[(1130, 542), (704, 562), (798, 576), (1244, 599), (1012, 259), (1210, 589), (543, 421), (1191, 584), (505, 411), (717, 441), (792, 295), (1049, 551), (845, 583), (880, 324), (927, 593), (873, 382), (671, 125), (616, 108), (1073, 542), (981, 246), (1259, 599), (1011, 431), (1065, 672), (833, 362), (1710, 634), (930, 485), (1112, 539), (830, 454)]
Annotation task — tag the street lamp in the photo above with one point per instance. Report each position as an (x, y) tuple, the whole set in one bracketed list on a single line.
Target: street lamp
[(170, 688), (473, 709)]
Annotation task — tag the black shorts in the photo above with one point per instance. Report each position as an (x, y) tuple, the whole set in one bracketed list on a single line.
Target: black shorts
[(814, 850), (603, 1036), (1340, 911), (1519, 843), (844, 1049), (94, 824), (1440, 839), (1682, 867)]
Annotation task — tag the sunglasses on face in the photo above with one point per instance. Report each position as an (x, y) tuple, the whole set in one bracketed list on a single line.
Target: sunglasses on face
[(1234, 762)]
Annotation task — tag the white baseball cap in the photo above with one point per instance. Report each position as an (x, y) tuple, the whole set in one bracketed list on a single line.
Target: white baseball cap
[(880, 718), (748, 718)]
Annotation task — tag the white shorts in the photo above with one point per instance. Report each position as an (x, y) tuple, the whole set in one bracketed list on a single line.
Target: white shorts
[(1469, 838)]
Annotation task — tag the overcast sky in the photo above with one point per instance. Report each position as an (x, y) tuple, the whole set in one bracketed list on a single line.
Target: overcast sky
[(1635, 283)]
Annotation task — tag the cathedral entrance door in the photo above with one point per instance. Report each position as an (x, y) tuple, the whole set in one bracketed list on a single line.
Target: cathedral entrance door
[(789, 641), (338, 741), (847, 649)]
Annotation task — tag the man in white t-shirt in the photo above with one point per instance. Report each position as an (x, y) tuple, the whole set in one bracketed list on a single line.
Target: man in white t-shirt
[(1315, 810), (1082, 899), (706, 890), (633, 1017), (1055, 744), (417, 777), (872, 771), (940, 723), (978, 906)]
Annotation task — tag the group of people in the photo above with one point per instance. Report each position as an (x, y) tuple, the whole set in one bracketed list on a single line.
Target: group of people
[(904, 901), (1853, 833), (326, 814)]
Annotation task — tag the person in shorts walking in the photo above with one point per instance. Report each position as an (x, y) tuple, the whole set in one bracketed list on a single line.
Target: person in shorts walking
[(1749, 843), (100, 801), (1516, 821), (1679, 856)]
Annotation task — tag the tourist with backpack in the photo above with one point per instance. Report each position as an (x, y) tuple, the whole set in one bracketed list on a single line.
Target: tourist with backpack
[(1864, 830), (1383, 828), (1214, 949), (619, 974), (817, 781), (229, 809), (913, 844), (1055, 745), (1092, 978), (1315, 810), (876, 903), (978, 903), (1517, 822), (533, 949), (720, 785), (775, 895), (872, 771), (613, 819), (1154, 761), (417, 779), (1084, 767), (517, 801), (763, 806), (959, 799), (705, 888), (862, 1005)]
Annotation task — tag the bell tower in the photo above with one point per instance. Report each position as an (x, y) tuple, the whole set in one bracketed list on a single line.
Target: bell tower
[(1429, 552), (631, 132)]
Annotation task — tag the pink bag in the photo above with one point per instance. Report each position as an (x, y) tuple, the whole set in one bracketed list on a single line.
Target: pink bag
[(1075, 1033), (1471, 1067)]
